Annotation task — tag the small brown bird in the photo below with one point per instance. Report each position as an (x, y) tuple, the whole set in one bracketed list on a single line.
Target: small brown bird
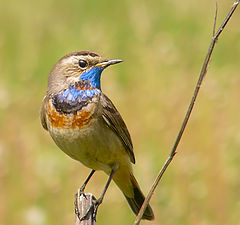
[(85, 124)]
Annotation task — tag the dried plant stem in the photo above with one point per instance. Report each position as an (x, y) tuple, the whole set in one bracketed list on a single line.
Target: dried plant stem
[(83, 204), (191, 105)]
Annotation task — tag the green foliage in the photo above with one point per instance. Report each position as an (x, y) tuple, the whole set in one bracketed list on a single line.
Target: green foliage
[(163, 44)]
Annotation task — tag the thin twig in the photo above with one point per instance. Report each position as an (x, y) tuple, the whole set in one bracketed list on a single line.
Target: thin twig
[(188, 113), (215, 20)]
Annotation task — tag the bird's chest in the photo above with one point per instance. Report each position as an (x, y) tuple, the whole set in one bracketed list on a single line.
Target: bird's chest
[(70, 114), (84, 136), (73, 108), (70, 121), (72, 131)]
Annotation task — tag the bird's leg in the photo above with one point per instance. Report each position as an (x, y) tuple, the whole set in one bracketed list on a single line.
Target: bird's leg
[(98, 202), (81, 189), (81, 192)]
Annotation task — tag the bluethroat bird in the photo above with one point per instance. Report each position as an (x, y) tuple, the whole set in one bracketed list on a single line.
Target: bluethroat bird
[(85, 124)]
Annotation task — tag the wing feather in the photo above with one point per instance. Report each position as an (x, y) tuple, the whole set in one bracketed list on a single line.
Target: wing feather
[(43, 113), (114, 120)]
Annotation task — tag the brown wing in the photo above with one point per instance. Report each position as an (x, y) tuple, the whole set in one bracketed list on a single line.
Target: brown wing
[(43, 112), (114, 120)]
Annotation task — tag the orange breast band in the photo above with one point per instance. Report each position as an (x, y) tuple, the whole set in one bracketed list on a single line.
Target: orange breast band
[(82, 118)]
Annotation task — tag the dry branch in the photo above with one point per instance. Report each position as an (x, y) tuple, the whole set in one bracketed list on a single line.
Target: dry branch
[(83, 204), (191, 105)]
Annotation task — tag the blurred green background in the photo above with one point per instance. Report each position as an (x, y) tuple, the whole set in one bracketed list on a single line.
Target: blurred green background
[(163, 44)]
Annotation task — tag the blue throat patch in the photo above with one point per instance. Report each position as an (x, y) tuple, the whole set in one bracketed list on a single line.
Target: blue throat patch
[(78, 95), (93, 75), (75, 97), (73, 94)]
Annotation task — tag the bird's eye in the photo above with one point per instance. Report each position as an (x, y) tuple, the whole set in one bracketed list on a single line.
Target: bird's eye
[(82, 63)]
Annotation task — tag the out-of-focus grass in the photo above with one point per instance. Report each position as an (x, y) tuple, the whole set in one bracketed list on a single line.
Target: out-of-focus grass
[(163, 44)]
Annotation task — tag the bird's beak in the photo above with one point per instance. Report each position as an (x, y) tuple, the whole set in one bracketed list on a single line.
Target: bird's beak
[(109, 62)]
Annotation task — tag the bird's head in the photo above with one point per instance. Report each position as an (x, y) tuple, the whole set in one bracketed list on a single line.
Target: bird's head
[(75, 67)]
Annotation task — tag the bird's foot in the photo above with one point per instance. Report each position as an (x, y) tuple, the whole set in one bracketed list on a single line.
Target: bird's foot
[(88, 213), (95, 208), (81, 192), (91, 211)]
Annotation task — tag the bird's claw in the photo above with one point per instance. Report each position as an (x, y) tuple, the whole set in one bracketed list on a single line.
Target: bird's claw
[(80, 192), (92, 210)]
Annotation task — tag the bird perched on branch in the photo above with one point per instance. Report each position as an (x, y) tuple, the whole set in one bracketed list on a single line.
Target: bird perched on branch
[(85, 124)]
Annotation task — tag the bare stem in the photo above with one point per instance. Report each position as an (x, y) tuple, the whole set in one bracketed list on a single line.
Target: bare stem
[(188, 113), (84, 208), (215, 19)]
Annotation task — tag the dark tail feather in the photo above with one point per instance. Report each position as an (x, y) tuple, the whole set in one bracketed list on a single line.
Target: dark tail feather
[(137, 201)]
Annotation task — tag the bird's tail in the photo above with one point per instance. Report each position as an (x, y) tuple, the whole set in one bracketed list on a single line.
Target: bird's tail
[(133, 194)]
